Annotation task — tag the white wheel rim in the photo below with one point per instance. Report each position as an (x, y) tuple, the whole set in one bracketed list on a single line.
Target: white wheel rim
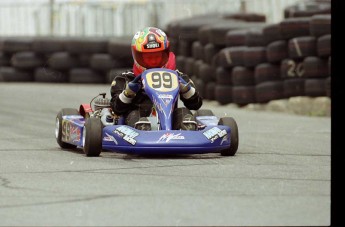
[(57, 127), (84, 134)]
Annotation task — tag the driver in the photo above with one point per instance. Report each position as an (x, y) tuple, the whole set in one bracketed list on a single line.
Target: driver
[(150, 49)]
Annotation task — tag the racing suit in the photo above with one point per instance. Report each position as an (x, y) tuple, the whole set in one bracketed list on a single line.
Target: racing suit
[(141, 101)]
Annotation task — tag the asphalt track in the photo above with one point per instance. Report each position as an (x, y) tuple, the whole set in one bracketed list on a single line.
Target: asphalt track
[(279, 176)]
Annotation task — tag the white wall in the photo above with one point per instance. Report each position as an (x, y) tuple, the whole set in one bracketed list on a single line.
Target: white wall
[(109, 18)]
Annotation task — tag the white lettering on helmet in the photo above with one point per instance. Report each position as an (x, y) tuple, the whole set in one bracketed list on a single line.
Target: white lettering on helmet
[(152, 45)]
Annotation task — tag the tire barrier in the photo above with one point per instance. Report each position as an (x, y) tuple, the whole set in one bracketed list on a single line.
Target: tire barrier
[(246, 64), (301, 47), (235, 38), (48, 75), (10, 74), (308, 8), (277, 51), (232, 58), (63, 59), (324, 46)]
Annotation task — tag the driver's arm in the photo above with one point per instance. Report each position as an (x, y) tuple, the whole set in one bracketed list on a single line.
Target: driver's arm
[(191, 99), (119, 103)]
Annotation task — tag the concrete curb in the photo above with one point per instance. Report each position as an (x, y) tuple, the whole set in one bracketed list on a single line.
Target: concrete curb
[(301, 105)]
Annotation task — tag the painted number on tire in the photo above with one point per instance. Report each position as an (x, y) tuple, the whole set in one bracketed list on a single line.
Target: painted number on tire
[(295, 70)]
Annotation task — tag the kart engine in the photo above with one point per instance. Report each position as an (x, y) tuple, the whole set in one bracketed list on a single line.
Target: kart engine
[(101, 103)]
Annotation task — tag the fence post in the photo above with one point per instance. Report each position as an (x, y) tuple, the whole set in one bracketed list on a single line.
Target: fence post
[(51, 9)]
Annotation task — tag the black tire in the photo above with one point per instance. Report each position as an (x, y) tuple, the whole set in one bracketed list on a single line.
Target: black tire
[(120, 49), (301, 47), (291, 68), (203, 112), (26, 60), (231, 56), (206, 73), (255, 38), (86, 76), (253, 56), (180, 63), (315, 87), (114, 73), (223, 94), (209, 51), (243, 95), (308, 9), (63, 61), (267, 91), (320, 25), (4, 59), (223, 76), (236, 38), (13, 45), (199, 85), (277, 51), (229, 121), (328, 86), (294, 27), (92, 137), (43, 74), (189, 66), (266, 72), (48, 44), (210, 90), (185, 48), (10, 74), (324, 46), (86, 45), (315, 67), (197, 50), (243, 76), (272, 33), (196, 67), (294, 87), (58, 127)]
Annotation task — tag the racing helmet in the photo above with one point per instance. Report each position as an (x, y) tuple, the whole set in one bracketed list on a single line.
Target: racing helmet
[(150, 48)]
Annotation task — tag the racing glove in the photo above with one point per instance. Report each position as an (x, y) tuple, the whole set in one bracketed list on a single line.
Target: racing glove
[(186, 90), (132, 88)]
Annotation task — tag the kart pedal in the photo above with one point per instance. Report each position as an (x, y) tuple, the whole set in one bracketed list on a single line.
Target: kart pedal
[(143, 124), (189, 123)]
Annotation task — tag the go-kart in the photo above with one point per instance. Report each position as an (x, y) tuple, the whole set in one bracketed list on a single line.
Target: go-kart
[(98, 128)]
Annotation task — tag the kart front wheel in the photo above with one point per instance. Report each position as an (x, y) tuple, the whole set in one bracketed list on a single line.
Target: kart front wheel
[(92, 137), (229, 121), (58, 127)]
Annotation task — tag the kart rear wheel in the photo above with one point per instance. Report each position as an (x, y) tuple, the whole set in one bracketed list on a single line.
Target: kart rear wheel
[(58, 127), (229, 121), (92, 137), (203, 112)]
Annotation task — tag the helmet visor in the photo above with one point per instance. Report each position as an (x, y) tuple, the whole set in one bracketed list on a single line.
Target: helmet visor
[(152, 59)]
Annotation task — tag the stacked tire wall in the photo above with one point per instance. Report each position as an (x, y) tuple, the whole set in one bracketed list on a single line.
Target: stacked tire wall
[(232, 58), (63, 59), (241, 59)]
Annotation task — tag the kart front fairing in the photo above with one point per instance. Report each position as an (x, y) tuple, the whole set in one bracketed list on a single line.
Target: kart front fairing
[(123, 138)]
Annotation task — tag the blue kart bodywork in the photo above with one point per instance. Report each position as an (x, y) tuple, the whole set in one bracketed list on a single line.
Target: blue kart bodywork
[(162, 86)]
